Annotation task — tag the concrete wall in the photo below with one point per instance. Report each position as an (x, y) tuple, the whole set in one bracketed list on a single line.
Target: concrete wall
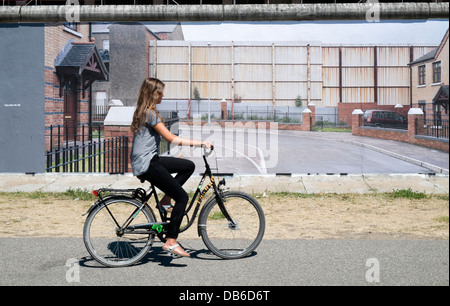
[(302, 183), (22, 107), (258, 12), (129, 53)]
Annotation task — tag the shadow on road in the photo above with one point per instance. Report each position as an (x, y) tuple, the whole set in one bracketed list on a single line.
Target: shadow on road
[(160, 257)]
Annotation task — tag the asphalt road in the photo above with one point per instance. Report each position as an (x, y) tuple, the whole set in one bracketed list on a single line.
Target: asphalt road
[(53, 261), (248, 151)]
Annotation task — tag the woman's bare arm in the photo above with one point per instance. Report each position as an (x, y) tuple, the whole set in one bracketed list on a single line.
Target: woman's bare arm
[(176, 140)]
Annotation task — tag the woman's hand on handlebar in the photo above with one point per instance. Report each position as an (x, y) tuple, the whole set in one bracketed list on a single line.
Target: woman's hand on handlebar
[(207, 145)]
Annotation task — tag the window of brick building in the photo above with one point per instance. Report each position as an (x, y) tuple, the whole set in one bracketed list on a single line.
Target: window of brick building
[(71, 25), (437, 72), (422, 75)]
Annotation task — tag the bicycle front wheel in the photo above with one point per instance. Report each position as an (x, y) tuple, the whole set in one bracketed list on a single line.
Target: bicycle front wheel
[(109, 243), (237, 239)]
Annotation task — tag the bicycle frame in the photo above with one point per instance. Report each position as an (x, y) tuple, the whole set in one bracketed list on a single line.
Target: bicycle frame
[(141, 195), (198, 191)]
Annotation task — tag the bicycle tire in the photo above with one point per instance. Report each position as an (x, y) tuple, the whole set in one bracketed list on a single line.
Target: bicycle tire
[(102, 240), (221, 237)]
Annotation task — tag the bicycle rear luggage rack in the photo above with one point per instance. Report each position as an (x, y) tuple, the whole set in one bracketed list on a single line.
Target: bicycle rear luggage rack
[(137, 193)]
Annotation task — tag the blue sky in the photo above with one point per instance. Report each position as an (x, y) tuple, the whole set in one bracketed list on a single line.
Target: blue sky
[(328, 32)]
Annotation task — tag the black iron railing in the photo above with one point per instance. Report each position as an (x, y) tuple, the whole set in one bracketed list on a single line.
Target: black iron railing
[(84, 149), (435, 128)]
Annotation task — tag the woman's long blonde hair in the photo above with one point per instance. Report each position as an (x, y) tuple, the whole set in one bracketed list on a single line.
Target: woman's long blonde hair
[(150, 95)]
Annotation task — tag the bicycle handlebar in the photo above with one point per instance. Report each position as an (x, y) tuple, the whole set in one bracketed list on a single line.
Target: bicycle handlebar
[(207, 153)]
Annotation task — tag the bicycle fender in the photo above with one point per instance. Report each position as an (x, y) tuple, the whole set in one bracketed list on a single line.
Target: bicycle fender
[(91, 208)]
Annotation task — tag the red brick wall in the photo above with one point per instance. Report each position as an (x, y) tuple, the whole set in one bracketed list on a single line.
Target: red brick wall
[(403, 136), (54, 104)]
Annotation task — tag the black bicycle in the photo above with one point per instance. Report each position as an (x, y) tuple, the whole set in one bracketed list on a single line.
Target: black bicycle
[(121, 226)]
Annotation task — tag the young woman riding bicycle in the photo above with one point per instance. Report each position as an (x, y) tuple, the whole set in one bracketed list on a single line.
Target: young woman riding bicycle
[(148, 127)]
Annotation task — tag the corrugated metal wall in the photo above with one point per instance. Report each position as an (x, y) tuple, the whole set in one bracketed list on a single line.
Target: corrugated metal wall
[(278, 72)]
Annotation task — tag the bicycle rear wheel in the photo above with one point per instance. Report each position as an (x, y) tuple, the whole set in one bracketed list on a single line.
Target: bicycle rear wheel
[(225, 239), (108, 243)]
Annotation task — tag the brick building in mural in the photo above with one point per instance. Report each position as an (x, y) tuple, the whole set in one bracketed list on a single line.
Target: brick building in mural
[(72, 64), (46, 76), (430, 80), (125, 50), (55, 67)]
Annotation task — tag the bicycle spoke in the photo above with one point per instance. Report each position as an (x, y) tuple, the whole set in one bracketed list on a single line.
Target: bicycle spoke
[(233, 239), (110, 245), (109, 217)]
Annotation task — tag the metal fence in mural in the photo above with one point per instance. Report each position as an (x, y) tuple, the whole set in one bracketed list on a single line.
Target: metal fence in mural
[(83, 148), (435, 128)]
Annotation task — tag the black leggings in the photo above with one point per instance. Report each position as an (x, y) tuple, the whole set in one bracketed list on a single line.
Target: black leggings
[(159, 173)]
